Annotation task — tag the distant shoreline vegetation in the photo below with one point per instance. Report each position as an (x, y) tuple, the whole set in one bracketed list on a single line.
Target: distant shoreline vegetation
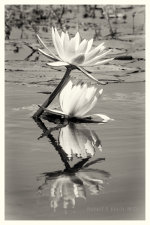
[(37, 17)]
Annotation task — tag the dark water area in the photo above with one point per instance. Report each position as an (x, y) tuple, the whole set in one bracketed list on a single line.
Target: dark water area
[(34, 166)]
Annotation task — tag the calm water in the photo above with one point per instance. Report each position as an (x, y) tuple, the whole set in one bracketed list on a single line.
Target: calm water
[(41, 184)]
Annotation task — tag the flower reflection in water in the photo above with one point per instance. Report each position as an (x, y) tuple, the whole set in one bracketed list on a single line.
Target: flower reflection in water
[(66, 186), (77, 140)]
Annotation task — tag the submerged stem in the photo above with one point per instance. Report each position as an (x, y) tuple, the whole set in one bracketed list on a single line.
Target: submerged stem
[(55, 92)]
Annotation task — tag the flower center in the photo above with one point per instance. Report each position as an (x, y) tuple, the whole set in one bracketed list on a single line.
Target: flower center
[(78, 59)]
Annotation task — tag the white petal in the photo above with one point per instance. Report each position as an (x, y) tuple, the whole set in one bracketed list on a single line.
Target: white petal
[(65, 92), (77, 41), (89, 46), (102, 116), (74, 96), (85, 101), (40, 40), (70, 46), (103, 61), (51, 53), (62, 37), (90, 104), (95, 52), (81, 101), (100, 91), (64, 97), (92, 97), (47, 55), (82, 47), (58, 63), (58, 112), (91, 92), (53, 111), (70, 49), (96, 59), (57, 43), (66, 43)]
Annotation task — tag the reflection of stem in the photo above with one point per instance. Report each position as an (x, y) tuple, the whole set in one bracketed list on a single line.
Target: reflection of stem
[(54, 93), (57, 147), (60, 150), (69, 170), (105, 173), (93, 162), (79, 165)]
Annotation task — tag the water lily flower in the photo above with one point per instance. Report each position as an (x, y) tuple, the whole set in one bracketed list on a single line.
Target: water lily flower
[(76, 100), (78, 140), (74, 51)]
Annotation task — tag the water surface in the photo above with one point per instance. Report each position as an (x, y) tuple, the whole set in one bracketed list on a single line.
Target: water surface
[(34, 167)]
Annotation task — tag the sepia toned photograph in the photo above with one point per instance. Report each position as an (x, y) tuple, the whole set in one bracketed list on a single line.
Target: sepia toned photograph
[(74, 112)]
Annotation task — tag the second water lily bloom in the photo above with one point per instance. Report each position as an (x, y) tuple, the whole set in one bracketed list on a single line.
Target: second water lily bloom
[(76, 100), (74, 51)]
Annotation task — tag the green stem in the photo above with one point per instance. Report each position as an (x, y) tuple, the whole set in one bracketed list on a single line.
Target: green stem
[(55, 92)]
